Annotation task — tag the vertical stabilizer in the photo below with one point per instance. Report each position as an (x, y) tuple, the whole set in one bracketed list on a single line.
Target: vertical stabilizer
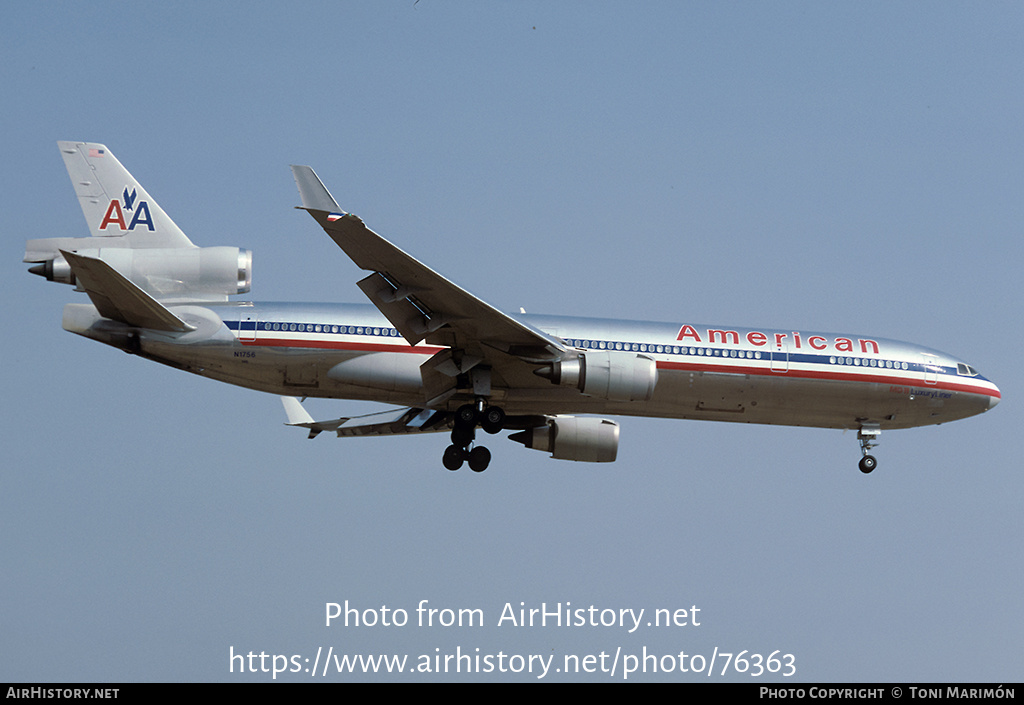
[(116, 206), (132, 236)]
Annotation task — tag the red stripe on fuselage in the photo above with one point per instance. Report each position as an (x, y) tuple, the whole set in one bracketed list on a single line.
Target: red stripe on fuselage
[(341, 345), (830, 375), (835, 375)]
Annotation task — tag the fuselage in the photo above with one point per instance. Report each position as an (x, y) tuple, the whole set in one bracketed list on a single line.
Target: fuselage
[(719, 373), (454, 362)]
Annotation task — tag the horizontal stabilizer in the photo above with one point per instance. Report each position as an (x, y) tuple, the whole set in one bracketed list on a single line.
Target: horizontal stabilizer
[(118, 299), (381, 423)]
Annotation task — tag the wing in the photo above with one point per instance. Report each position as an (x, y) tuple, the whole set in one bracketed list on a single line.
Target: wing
[(419, 302), (383, 423)]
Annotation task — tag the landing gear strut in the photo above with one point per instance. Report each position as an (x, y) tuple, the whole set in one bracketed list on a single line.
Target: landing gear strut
[(490, 418), (868, 436)]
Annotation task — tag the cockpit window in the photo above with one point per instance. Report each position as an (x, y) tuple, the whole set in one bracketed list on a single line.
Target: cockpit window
[(966, 370)]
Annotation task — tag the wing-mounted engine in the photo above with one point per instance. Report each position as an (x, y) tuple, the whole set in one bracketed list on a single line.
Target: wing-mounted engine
[(574, 438), (192, 273), (616, 375)]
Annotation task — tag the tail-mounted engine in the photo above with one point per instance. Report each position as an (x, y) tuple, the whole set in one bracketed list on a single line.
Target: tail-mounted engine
[(574, 438), (609, 374), (180, 272)]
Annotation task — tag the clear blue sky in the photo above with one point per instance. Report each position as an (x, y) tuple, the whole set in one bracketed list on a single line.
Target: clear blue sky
[(853, 167)]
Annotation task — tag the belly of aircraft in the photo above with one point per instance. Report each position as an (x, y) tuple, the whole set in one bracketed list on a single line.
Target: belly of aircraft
[(777, 400), (783, 399)]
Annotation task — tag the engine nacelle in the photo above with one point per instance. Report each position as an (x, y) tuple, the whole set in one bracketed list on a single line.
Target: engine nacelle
[(168, 273), (616, 375), (574, 438)]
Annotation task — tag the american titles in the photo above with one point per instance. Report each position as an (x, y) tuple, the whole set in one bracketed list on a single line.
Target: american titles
[(776, 341)]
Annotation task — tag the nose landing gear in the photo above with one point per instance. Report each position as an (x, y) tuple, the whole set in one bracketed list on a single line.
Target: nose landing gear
[(868, 437), (867, 463)]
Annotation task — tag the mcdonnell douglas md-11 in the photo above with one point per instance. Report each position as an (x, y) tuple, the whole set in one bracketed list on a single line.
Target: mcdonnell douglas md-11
[(452, 362)]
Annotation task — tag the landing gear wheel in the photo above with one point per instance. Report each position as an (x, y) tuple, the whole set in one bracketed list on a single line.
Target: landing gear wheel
[(868, 437), (465, 416), (453, 457), (479, 459), (493, 419), (462, 437)]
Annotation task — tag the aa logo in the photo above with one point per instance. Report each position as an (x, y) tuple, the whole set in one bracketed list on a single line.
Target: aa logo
[(116, 213)]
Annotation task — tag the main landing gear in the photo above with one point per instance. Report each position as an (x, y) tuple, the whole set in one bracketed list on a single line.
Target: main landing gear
[(868, 437), (463, 449)]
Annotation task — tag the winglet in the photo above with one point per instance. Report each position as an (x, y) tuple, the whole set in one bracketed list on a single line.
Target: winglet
[(295, 412), (380, 423), (315, 195), (298, 416)]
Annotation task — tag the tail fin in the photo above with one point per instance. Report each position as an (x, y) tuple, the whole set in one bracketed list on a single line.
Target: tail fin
[(134, 237), (114, 203)]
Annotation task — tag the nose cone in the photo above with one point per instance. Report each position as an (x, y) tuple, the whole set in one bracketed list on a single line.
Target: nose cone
[(994, 399)]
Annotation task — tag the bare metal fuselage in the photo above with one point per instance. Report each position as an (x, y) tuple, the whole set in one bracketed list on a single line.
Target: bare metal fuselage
[(452, 360), (711, 373)]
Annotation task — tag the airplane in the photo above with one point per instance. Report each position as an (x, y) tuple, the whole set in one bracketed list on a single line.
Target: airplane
[(453, 363)]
